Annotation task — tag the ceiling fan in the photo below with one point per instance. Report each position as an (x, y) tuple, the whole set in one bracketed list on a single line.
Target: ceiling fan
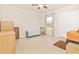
[(40, 6)]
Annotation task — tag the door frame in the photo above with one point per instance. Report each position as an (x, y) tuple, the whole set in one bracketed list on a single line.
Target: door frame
[(53, 28)]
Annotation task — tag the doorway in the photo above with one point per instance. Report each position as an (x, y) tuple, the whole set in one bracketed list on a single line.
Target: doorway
[(49, 25)]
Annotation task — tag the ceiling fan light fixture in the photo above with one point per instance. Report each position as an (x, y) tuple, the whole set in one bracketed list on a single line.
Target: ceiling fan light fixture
[(40, 5)]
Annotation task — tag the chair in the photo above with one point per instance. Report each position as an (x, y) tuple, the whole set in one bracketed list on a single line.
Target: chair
[(73, 36), (72, 42)]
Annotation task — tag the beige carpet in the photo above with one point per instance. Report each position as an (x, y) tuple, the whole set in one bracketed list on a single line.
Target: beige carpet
[(38, 45)]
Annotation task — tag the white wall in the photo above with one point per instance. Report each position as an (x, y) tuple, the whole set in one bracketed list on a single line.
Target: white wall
[(23, 18), (0, 11), (65, 19)]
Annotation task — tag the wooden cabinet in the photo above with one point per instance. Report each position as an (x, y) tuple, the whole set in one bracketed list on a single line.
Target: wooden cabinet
[(16, 29)]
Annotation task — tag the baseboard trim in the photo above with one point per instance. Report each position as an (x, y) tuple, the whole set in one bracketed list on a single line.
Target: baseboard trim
[(22, 36)]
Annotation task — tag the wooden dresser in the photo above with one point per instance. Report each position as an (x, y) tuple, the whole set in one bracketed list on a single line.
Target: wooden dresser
[(16, 30)]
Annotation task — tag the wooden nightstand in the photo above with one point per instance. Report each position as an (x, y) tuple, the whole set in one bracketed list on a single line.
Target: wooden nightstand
[(16, 29)]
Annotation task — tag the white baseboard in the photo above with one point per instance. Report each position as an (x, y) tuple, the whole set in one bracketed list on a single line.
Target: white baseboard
[(21, 36)]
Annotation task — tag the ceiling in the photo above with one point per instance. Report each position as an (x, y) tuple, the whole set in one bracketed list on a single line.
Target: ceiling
[(42, 10)]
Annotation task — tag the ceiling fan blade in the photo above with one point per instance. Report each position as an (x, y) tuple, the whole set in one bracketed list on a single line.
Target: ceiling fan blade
[(38, 8), (45, 7), (34, 4)]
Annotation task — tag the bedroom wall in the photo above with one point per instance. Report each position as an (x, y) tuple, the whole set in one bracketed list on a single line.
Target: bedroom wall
[(23, 18), (65, 19), (0, 11)]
